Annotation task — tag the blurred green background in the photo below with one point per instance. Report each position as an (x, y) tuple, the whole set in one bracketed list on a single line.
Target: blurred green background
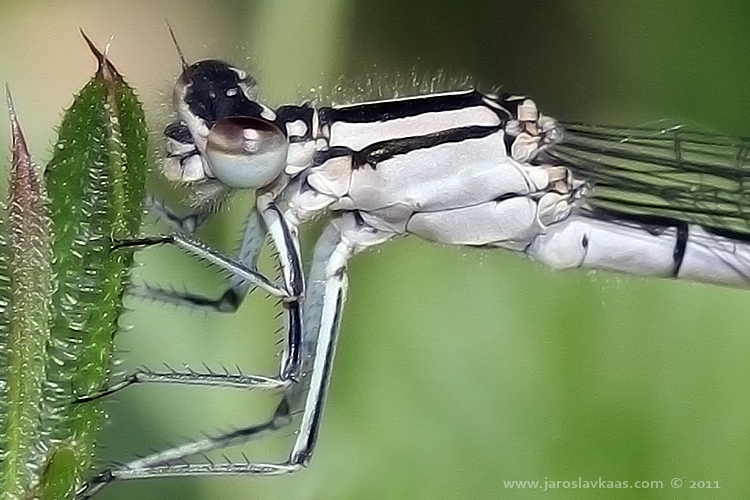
[(457, 369)]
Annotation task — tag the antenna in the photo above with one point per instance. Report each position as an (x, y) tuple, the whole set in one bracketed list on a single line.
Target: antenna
[(177, 46)]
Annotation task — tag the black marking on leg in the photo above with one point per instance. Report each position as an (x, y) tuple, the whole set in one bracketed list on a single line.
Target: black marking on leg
[(229, 301), (294, 343), (190, 223), (296, 282), (304, 455), (296, 278), (143, 242), (108, 391), (246, 432), (95, 484), (185, 156), (680, 246)]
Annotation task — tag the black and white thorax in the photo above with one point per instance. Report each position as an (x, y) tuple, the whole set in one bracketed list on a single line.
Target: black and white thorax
[(458, 167)]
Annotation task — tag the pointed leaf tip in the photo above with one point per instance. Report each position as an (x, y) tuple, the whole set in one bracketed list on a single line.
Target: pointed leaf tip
[(106, 67), (19, 141), (21, 165), (9, 101)]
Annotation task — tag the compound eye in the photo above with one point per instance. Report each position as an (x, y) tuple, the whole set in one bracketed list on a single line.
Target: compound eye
[(246, 152)]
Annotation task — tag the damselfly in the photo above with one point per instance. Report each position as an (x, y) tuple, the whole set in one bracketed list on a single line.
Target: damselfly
[(461, 167)]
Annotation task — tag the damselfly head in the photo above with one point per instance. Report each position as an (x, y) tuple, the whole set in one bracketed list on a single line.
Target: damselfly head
[(223, 132)]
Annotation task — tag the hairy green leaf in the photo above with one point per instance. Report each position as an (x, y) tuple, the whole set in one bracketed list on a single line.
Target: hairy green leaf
[(25, 305), (61, 284)]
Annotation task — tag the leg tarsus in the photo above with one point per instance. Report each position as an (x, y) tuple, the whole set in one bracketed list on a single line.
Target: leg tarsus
[(143, 242), (108, 390), (228, 302), (95, 485)]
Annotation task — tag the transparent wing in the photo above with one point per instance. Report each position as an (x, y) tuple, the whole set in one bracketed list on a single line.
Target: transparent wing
[(661, 175)]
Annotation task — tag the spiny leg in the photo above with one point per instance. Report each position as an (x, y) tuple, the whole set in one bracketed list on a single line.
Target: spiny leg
[(344, 237), (184, 159), (230, 300), (184, 162), (242, 269), (189, 377), (153, 465), (239, 287), (185, 224), (322, 308), (205, 252), (266, 219), (284, 237)]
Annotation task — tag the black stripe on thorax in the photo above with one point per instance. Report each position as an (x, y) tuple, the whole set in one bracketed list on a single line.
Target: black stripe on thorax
[(400, 108), (384, 150)]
